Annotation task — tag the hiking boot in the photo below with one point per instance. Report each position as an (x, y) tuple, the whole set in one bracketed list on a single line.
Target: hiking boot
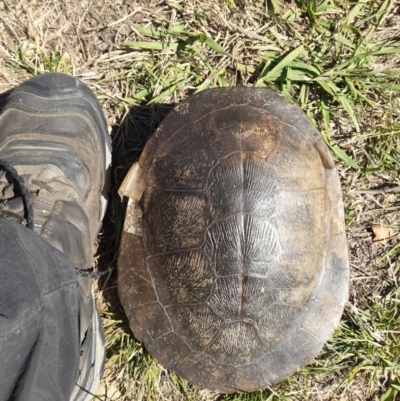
[(55, 154)]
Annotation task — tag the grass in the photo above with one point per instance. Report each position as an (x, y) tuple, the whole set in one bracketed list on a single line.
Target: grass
[(337, 59)]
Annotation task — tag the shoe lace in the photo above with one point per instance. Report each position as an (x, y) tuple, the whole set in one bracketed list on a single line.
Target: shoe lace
[(26, 195), (92, 273), (28, 213)]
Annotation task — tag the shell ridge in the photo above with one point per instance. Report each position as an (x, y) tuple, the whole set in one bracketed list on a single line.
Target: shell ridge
[(154, 287), (184, 303), (276, 117), (177, 131), (204, 350), (313, 335), (242, 229), (147, 303), (161, 336), (207, 142), (171, 252), (303, 191), (184, 190)]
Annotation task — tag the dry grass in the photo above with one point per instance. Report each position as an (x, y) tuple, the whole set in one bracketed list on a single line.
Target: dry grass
[(338, 60)]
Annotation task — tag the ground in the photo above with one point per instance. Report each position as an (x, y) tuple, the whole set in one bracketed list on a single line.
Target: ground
[(338, 60)]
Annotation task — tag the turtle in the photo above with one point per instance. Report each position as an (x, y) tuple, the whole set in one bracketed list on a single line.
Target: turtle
[(233, 264)]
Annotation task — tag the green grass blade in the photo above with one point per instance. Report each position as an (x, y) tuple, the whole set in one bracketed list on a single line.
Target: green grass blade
[(284, 62), (342, 156), (326, 116), (149, 31), (169, 91), (344, 100), (204, 85), (150, 46), (355, 11), (327, 86), (211, 43), (276, 6)]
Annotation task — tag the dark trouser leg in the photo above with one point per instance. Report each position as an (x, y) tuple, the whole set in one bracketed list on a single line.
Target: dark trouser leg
[(39, 328)]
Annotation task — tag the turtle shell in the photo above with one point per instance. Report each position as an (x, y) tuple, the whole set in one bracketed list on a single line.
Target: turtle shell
[(233, 266)]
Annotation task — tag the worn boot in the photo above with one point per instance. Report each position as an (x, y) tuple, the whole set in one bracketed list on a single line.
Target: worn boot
[(55, 155)]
